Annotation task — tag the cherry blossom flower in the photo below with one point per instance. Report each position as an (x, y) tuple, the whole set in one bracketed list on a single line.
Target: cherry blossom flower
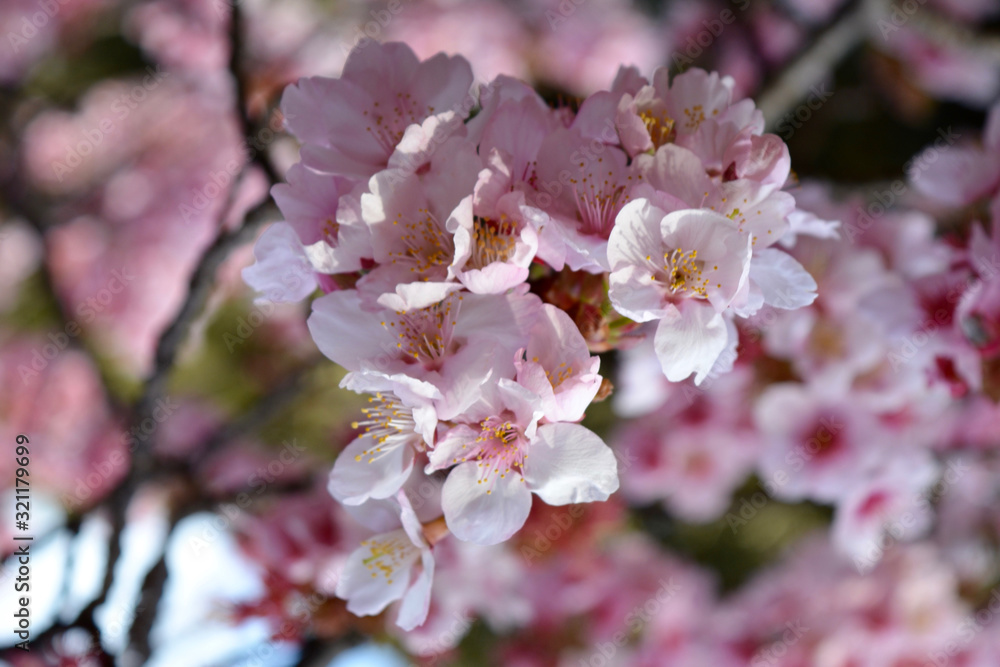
[(381, 571), (399, 421), (282, 271), (558, 368), (960, 174), (888, 506), (454, 345), (683, 269), (487, 495), (350, 126), (581, 192)]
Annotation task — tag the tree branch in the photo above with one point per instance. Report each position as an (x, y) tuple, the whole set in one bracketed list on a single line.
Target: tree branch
[(818, 61)]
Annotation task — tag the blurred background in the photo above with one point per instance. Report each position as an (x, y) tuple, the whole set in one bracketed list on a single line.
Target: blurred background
[(181, 432)]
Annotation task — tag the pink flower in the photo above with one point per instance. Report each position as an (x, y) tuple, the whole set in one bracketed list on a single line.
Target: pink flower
[(960, 174), (282, 271), (399, 422), (816, 441), (513, 125), (582, 185), (692, 468), (323, 210), (674, 177), (706, 119), (454, 345), (302, 538), (580, 50), (412, 217), (495, 240), (558, 368), (978, 311), (351, 125), (380, 572), (487, 496), (490, 33), (683, 269), (80, 451), (891, 504)]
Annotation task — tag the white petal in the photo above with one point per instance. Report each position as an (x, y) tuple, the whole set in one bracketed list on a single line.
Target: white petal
[(327, 259), (367, 595), (411, 523), (417, 601), (781, 279), (688, 340), (343, 331), (568, 463), (412, 296), (635, 294), (357, 476), (450, 445), (635, 235), (488, 512), (281, 272)]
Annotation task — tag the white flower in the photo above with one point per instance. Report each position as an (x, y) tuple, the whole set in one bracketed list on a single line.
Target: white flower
[(684, 269)]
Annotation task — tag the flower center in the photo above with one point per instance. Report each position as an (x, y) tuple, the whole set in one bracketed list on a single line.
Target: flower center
[(556, 376), (492, 241), (428, 247), (659, 125), (694, 117), (598, 205), (682, 273), (389, 553), (387, 126), (425, 335), (330, 229), (389, 423), (499, 449)]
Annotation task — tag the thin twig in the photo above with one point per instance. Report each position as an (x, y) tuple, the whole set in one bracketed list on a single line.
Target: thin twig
[(151, 592), (817, 62), (236, 68)]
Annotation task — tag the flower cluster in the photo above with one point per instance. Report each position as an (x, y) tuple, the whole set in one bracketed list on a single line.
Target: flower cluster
[(476, 244), (877, 399)]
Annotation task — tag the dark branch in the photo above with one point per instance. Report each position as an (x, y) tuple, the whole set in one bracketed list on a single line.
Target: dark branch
[(321, 652), (815, 63)]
